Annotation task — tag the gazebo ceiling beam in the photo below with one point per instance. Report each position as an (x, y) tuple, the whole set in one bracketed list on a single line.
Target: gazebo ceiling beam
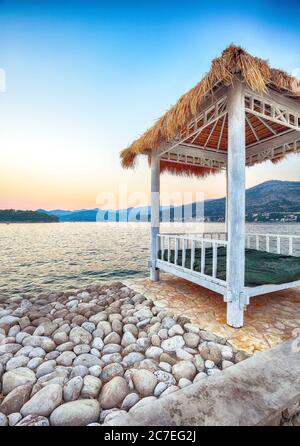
[(200, 156), (252, 128), (199, 161), (273, 153), (268, 108), (264, 122), (275, 141), (200, 152), (281, 100), (221, 133), (213, 109)]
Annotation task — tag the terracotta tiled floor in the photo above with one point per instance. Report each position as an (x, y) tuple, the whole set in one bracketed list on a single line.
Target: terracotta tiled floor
[(269, 319)]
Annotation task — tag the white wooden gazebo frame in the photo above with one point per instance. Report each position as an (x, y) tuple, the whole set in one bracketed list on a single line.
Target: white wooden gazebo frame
[(242, 112), (238, 103)]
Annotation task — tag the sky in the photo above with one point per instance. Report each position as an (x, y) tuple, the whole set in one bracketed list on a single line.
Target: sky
[(84, 79)]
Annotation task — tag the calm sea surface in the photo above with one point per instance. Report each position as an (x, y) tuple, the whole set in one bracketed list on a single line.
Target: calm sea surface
[(59, 256)]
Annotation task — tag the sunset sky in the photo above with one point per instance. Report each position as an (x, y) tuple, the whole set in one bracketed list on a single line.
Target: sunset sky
[(84, 79)]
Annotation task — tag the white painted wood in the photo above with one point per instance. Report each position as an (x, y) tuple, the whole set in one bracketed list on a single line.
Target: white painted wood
[(290, 246), (276, 240), (270, 148), (192, 254), (183, 252), (202, 256), (221, 133), (162, 247), (287, 114), (264, 289), (215, 260), (194, 156), (176, 252), (194, 149), (280, 100), (211, 110), (273, 142), (252, 129), (268, 243), (248, 245), (257, 242), (226, 203), (278, 245), (265, 123), (155, 218), (217, 285), (236, 204)]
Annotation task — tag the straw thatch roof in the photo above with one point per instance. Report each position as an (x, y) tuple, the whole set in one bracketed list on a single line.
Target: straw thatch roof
[(234, 61)]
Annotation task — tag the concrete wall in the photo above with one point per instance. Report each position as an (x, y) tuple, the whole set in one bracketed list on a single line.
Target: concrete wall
[(253, 392)]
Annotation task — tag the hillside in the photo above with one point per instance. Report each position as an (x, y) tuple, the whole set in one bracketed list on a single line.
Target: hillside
[(272, 197), (15, 216)]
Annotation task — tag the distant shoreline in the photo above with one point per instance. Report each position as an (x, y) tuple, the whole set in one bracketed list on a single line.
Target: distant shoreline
[(165, 222), (27, 222)]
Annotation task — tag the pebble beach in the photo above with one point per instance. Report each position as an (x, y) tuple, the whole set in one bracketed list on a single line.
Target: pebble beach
[(80, 357)]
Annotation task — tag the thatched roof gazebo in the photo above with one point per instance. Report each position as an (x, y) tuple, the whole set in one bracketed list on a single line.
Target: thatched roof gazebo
[(241, 113)]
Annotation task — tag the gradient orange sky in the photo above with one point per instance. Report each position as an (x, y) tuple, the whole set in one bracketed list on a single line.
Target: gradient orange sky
[(82, 83)]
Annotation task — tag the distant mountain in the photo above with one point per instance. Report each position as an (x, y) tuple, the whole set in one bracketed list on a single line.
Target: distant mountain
[(57, 212), (14, 216), (270, 197), (267, 198)]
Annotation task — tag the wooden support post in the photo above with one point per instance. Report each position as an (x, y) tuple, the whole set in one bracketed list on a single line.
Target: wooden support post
[(226, 202), (155, 218), (236, 204)]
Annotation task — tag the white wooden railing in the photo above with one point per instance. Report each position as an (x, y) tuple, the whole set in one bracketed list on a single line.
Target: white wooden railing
[(276, 243), (169, 246), (176, 242)]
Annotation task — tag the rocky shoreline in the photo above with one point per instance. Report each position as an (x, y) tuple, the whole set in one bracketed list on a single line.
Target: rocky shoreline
[(79, 358)]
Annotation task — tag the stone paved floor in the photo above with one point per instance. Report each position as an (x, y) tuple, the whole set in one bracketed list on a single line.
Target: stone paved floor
[(269, 319)]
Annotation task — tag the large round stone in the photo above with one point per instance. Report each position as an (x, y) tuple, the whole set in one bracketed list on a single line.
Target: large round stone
[(66, 359), (17, 361), (17, 377), (184, 369), (79, 335), (60, 337), (40, 341), (16, 399), (173, 344), (44, 401), (176, 330), (33, 420), (9, 348), (143, 313), (191, 339), (165, 377), (130, 400), (199, 363), (144, 381), (112, 338), (91, 387), (154, 352), (132, 358), (87, 360), (210, 351), (128, 338), (113, 393), (73, 388), (3, 420), (111, 370), (76, 413)]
